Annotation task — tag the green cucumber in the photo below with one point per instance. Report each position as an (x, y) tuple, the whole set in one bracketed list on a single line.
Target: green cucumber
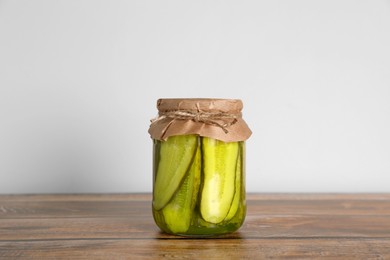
[(219, 169), (237, 193), (175, 158), (178, 212)]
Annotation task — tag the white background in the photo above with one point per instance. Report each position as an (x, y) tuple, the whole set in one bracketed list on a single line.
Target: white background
[(79, 81)]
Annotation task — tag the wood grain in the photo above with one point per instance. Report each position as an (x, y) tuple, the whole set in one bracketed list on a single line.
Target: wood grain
[(120, 226)]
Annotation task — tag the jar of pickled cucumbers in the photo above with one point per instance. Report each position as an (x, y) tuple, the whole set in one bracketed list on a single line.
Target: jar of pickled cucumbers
[(199, 166)]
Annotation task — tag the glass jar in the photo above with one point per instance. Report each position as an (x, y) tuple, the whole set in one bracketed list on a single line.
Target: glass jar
[(198, 179)]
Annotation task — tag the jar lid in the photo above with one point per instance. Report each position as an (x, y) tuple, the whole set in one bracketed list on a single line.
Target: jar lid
[(220, 119)]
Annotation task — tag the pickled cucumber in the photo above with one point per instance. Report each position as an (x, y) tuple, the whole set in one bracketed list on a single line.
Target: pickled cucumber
[(237, 193), (175, 158), (178, 212), (219, 170)]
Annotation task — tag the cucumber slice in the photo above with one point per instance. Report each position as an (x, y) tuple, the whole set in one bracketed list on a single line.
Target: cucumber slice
[(175, 159), (178, 212), (219, 168), (237, 193)]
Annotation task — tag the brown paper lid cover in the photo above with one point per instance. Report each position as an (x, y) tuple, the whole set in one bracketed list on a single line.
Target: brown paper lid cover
[(220, 119)]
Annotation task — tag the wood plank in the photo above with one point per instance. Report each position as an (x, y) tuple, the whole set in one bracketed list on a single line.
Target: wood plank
[(197, 249), (319, 196), (77, 197), (291, 226), (49, 208), (71, 209), (320, 207)]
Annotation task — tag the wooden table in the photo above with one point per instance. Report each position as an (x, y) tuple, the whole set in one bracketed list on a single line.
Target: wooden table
[(121, 227)]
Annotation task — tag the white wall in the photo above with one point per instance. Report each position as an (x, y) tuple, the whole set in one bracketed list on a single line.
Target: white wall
[(79, 81)]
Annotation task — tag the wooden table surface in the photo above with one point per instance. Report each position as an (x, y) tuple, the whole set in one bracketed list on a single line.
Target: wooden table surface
[(107, 226)]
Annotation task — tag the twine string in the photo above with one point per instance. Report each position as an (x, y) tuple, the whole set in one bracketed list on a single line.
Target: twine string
[(203, 117)]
